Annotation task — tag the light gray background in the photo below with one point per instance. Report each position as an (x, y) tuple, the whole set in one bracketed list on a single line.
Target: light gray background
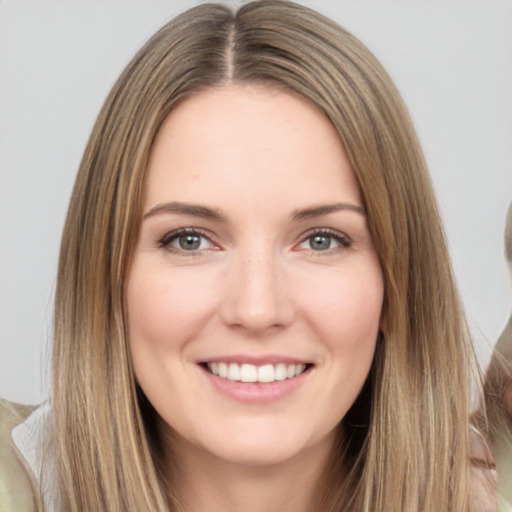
[(452, 60)]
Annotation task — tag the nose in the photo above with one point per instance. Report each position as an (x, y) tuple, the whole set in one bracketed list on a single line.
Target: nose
[(257, 299)]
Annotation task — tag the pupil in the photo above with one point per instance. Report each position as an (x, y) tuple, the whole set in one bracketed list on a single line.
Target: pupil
[(190, 242), (320, 242)]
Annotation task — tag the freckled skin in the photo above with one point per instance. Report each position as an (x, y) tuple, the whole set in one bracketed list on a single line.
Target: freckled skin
[(258, 285)]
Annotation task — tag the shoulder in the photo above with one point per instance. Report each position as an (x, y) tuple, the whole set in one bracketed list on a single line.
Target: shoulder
[(503, 451), (15, 480), (13, 414), (483, 474)]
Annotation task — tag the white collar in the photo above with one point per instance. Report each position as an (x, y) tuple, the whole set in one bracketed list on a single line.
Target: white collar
[(32, 438)]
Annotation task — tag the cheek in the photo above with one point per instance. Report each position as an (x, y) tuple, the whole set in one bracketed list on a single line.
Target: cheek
[(343, 313), (166, 307), (165, 310), (346, 309)]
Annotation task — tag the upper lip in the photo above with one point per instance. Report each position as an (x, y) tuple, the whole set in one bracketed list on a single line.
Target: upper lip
[(256, 361)]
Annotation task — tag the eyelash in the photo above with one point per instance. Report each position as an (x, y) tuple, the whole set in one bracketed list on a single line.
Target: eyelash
[(166, 241), (343, 240)]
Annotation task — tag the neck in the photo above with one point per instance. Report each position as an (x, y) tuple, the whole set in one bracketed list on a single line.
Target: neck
[(205, 482)]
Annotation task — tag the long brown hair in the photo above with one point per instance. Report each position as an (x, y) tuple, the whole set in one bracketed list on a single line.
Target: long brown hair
[(405, 441)]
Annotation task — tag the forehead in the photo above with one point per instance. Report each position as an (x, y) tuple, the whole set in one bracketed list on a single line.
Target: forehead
[(250, 142)]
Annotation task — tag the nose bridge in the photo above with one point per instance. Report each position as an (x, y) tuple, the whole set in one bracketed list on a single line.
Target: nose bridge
[(258, 296)]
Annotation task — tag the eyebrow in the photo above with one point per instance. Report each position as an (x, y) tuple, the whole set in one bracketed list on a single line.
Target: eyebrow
[(186, 209), (205, 212), (317, 211)]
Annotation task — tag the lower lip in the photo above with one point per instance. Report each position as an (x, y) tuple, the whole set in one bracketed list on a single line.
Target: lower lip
[(256, 392)]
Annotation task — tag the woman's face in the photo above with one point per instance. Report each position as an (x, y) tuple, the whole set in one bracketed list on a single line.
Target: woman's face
[(255, 292)]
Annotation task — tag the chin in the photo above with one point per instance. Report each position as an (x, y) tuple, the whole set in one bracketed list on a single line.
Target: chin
[(255, 454), (264, 445)]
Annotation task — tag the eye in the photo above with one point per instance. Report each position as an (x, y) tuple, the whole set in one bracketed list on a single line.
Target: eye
[(325, 240), (184, 240), (320, 242)]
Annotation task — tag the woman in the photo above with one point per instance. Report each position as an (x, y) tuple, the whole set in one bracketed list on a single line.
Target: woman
[(497, 422), (246, 316)]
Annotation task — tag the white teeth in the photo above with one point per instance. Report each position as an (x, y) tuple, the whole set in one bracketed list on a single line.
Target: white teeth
[(281, 373), (248, 373), (233, 372), (266, 373), (251, 373), (223, 370), (299, 368)]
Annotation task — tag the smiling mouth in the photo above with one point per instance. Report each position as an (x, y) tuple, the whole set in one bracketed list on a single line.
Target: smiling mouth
[(246, 372)]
